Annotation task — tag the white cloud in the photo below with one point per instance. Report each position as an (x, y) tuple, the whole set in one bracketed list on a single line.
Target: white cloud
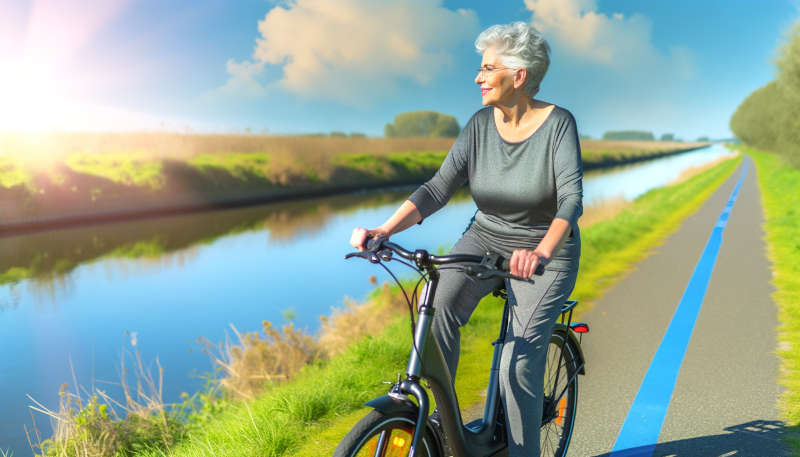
[(615, 41), (243, 78), (353, 51)]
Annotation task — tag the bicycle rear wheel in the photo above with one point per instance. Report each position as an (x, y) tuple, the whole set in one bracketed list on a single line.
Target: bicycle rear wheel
[(560, 396), (385, 435)]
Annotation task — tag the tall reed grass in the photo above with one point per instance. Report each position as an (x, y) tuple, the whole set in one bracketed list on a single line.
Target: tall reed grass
[(92, 423)]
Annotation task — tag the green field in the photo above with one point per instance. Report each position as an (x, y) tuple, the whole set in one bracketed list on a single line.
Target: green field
[(780, 194), (90, 175), (308, 415)]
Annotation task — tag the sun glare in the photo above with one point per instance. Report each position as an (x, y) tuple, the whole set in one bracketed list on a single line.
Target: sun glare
[(31, 99), (45, 84)]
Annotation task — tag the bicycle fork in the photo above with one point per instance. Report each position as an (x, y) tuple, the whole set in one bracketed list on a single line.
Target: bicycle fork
[(414, 369), (397, 398)]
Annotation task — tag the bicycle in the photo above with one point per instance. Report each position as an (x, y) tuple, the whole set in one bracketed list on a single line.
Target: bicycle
[(398, 426)]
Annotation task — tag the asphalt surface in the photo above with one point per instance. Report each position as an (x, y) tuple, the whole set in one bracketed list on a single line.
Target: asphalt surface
[(725, 398)]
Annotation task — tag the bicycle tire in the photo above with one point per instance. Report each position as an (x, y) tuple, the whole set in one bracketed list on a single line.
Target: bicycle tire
[(365, 437), (558, 417)]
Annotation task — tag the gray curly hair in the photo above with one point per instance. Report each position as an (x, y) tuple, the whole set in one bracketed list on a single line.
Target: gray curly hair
[(519, 45)]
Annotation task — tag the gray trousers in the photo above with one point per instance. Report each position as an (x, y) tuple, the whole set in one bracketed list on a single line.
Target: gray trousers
[(534, 310)]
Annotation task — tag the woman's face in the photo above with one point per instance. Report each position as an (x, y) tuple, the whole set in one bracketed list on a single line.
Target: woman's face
[(496, 80)]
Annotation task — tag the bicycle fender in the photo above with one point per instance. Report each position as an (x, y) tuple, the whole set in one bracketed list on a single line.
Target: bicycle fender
[(576, 346), (388, 405)]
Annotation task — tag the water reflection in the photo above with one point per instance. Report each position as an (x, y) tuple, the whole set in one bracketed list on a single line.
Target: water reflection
[(9, 298), (49, 257)]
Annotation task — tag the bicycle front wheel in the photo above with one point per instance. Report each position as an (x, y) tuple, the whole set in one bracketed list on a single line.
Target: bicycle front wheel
[(385, 435), (560, 396)]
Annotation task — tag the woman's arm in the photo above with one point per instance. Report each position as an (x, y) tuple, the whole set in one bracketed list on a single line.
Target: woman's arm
[(569, 203), (432, 195), (524, 261), (405, 216)]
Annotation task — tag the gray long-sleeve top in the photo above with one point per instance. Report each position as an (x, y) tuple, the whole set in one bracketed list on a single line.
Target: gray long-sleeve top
[(519, 187)]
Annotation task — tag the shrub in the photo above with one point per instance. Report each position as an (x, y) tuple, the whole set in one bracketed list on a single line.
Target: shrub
[(423, 124)]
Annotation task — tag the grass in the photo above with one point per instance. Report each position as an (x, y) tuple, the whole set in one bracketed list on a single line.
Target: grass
[(779, 183), (12, 174), (310, 414), (89, 423), (127, 168), (240, 165)]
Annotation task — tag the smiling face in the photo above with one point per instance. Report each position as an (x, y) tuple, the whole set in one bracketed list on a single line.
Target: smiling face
[(496, 80)]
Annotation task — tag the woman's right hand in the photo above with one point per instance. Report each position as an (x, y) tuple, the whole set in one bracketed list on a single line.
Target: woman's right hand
[(360, 236)]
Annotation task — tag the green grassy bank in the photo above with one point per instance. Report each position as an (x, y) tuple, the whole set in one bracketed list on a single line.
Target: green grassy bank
[(780, 195), (71, 178), (310, 414)]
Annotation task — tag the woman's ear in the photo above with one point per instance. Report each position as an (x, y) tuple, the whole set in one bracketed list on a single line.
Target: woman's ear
[(519, 77)]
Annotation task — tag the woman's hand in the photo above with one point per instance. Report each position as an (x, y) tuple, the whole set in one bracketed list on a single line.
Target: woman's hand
[(524, 262), (360, 236)]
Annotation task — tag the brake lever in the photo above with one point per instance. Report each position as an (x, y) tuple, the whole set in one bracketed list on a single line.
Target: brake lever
[(369, 255), (385, 254)]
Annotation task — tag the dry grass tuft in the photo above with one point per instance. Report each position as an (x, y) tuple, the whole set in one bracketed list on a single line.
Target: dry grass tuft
[(257, 360), (358, 320), (93, 424), (603, 210)]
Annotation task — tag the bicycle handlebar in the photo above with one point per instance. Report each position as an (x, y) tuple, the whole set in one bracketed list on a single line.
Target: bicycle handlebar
[(488, 265)]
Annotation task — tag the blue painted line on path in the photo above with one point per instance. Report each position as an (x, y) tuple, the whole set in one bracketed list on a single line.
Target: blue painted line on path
[(639, 433)]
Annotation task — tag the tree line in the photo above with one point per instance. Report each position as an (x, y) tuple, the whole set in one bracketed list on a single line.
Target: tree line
[(769, 118), (434, 124)]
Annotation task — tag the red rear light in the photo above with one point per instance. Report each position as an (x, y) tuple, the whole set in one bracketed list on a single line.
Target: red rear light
[(580, 327)]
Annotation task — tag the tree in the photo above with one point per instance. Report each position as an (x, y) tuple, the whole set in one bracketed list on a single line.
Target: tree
[(757, 121), (788, 62), (702, 139), (769, 118), (668, 137), (422, 124)]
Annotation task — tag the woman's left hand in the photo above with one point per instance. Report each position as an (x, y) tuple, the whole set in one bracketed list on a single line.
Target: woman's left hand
[(524, 262)]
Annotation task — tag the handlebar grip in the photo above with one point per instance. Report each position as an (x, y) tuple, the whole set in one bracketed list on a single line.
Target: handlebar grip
[(374, 242)]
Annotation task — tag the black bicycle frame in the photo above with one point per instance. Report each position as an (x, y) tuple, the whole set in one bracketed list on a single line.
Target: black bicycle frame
[(478, 439)]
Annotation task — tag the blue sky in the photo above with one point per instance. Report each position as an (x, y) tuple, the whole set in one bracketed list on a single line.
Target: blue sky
[(350, 65)]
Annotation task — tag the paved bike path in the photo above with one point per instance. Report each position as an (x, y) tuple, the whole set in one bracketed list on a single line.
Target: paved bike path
[(725, 396)]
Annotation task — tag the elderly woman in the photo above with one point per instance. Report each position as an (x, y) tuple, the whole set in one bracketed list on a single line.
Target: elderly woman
[(522, 160)]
